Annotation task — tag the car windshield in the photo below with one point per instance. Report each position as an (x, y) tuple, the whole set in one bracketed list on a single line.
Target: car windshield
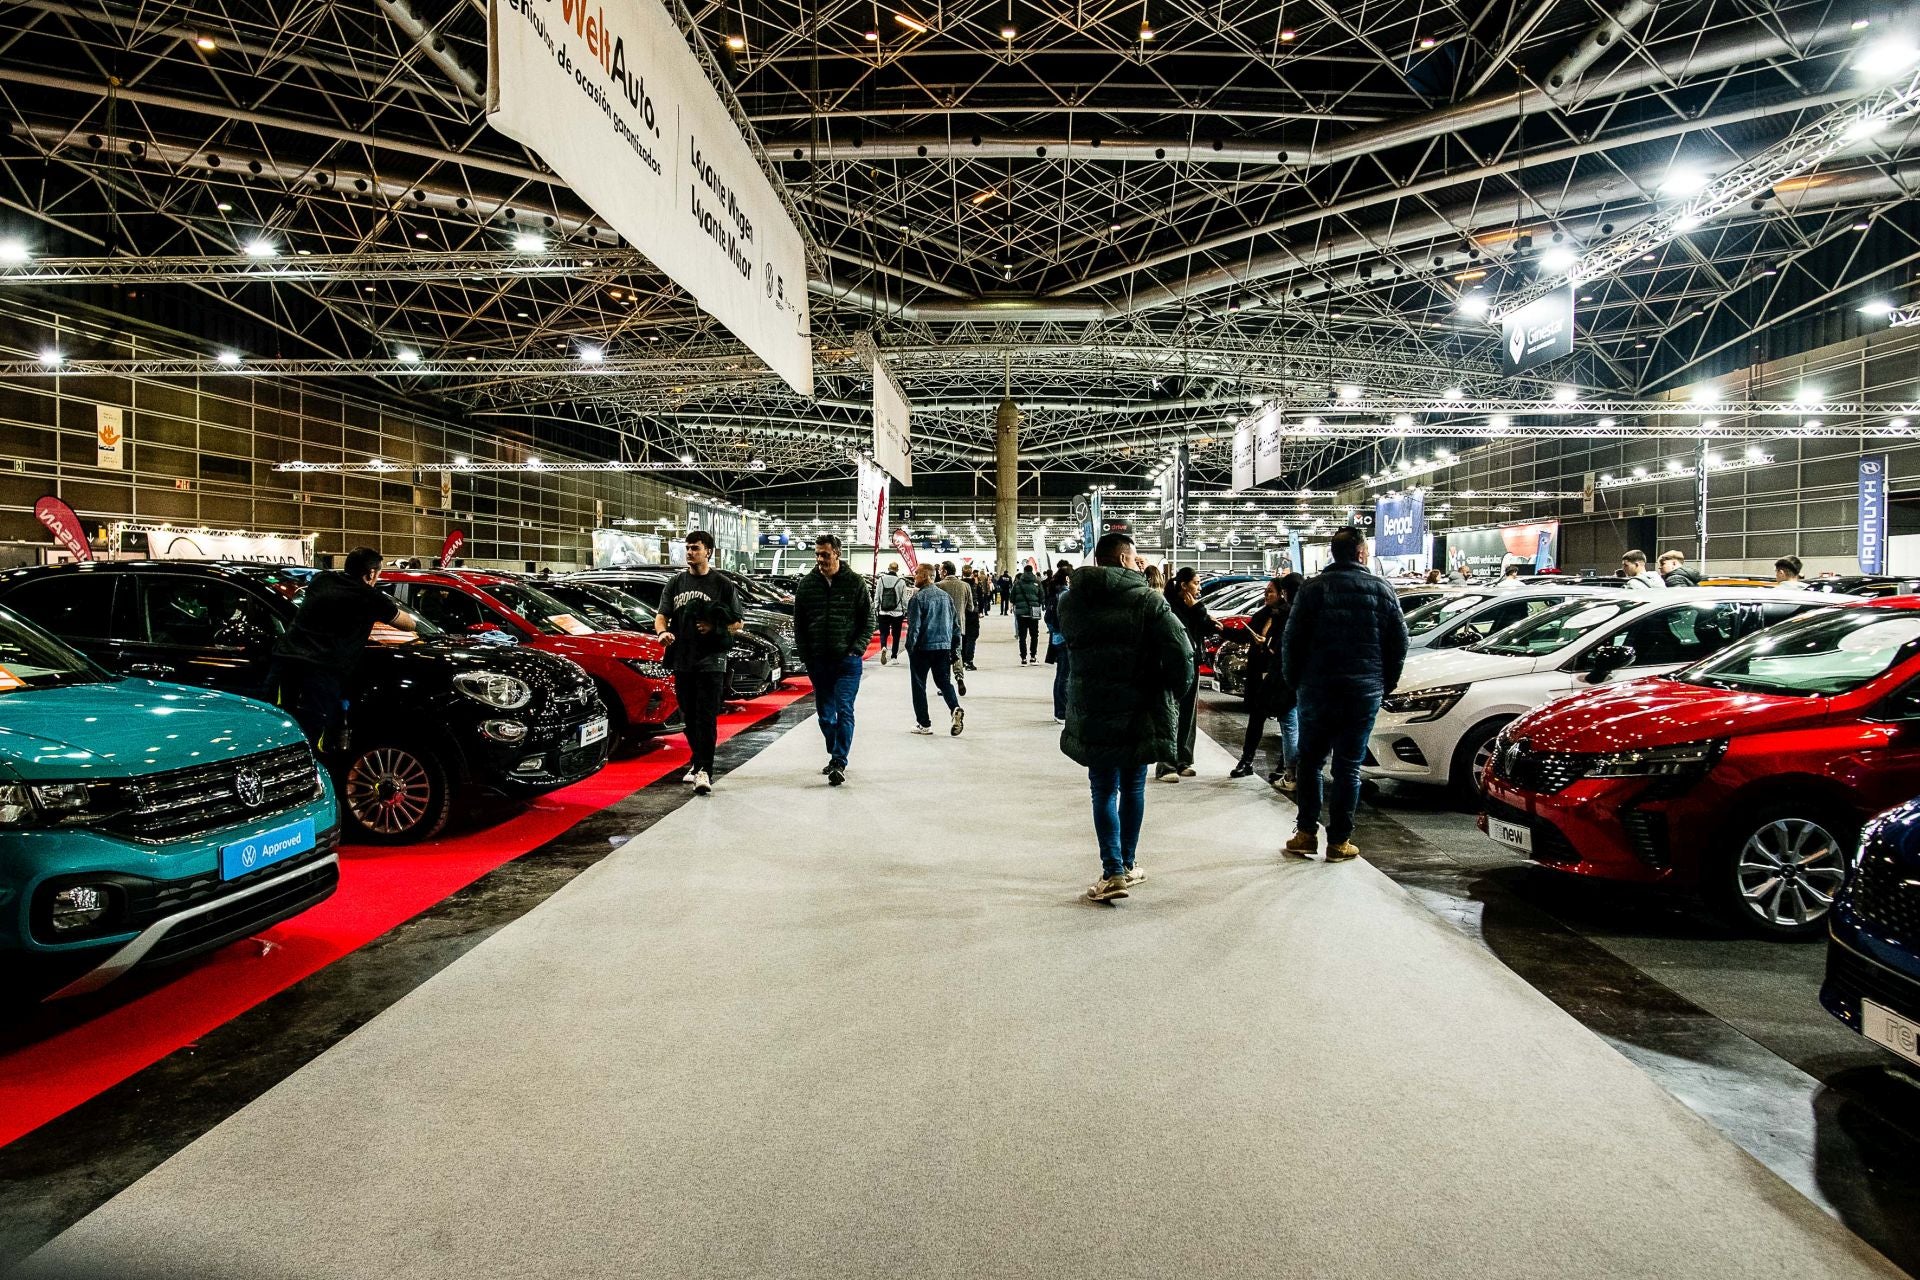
[(608, 608), (540, 609), (1437, 613), (32, 659), (1555, 629), (1825, 652)]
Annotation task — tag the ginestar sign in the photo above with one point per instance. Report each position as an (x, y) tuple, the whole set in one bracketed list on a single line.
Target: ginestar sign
[(608, 93), (1538, 332)]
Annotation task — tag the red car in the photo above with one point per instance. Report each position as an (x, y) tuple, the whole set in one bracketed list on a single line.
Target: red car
[(628, 668), (1744, 778)]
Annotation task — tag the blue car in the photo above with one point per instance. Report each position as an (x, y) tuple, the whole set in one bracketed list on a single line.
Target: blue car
[(143, 822), (1873, 947)]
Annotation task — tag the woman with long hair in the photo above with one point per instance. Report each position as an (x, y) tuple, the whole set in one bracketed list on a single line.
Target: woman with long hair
[(1268, 697), (1183, 595)]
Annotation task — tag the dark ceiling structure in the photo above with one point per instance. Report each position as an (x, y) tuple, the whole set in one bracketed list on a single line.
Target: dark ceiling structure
[(1140, 220)]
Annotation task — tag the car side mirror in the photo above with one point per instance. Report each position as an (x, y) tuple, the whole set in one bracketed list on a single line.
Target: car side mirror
[(1606, 660)]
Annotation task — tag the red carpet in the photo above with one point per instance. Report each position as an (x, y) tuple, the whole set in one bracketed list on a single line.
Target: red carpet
[(380, 888)]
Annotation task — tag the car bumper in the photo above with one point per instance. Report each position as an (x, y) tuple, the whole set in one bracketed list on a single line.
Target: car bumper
[(1409, 752), (1608, 829), (171, 901), (1854, 975), (750, 678), (551, 757)]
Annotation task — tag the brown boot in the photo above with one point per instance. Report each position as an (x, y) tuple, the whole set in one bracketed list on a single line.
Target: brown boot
[(1345, 851), (1302, 844)]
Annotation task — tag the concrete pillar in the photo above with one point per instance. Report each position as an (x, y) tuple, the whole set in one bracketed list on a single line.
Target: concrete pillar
[(1006, 462)]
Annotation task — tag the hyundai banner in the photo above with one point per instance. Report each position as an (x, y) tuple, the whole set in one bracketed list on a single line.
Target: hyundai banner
[(1538, 332), (1873, 513), (1400, 525)]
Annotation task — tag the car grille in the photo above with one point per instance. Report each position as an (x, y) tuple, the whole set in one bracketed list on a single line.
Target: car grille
[(1541, 772), (1407, 751), (1851, 976), (1550, 844), (1883, 896), (566, 707), (189, 802), (242, 916)]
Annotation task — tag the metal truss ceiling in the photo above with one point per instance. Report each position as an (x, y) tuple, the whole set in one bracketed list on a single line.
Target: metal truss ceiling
[(1143, 219)]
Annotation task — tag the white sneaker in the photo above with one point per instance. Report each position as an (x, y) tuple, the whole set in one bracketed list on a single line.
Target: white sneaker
[(689, 775), (924, 730), (883, 658), (702, 784)]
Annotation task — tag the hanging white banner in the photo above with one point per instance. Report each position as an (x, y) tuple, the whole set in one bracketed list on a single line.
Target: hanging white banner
[(1243, 458), (892, 425), (609, 94), (870, 511), (1267, 449), (111, 437)]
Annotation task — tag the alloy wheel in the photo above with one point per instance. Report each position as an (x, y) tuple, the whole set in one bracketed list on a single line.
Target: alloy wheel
[(1482, 757), (1789, 871), (389, 790)]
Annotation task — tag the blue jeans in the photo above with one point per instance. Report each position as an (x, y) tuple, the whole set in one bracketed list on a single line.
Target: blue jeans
[(1119, 803), (1058, 652), (835, 685), (937, 663), (1336, 727)]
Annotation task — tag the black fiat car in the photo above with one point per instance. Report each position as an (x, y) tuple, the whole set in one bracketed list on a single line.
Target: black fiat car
[(754, 666), (645, 584), (435, 719)]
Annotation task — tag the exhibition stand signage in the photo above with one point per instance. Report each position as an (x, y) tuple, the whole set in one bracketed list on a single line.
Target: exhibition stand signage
[(892, 431), (1873, 513), (1243, 446), (1486, 552), (451, 547), (1538, 332), (1400, 524), (64, 525), (609, 94)]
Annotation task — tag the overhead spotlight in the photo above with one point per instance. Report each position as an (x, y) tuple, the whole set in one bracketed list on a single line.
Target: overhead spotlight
[(1755, 453), (1287, 35), (1884, 59), (1310, 423), (1861, 224), (528, 242), (1349, 392), (1684, 181), (1559, 258), (1809, 395), (1146, 31), (1605, 424), (592, 355), (1865, 127), (1714, 460), (736, 43), (1639, 473), (407, 355), (911, 23), (1427, 42), (205, 44), (1673, 464), (224, 207), (1113, 226), (229, 358), (1403, 421), (1565, 395), (1710, 424), (1876, 307), (14, 252), (533, 462), (686, 459), (261, 247), (1500, 422), (1473, 305), (460, 460), (1898, 424), (1008, 31), (1688, 222), (52, 355), (872, 36), (1445, 455), (1454, 393), (1706, 395), (1811, 423)]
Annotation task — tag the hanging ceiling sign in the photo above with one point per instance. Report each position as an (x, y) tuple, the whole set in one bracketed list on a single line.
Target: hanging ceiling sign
[(608, 94), (892, 434), (1873, 513), (1400, 525), (1538, 332), (1267, 448), (870, 509), (1243, 444)]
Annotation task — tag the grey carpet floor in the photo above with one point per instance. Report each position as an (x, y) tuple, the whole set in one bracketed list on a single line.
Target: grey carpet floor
[(873, 1032)]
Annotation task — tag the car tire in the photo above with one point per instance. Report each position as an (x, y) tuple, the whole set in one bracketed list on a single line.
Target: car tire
[(1815, 839), (1470, 755), (395, 793)]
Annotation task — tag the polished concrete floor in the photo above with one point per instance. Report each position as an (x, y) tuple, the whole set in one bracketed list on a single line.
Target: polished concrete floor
[(799, 1031)]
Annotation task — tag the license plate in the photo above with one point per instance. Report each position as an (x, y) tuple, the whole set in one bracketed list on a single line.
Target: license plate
[(593, 730), (1885, 1027), (1511, 835), (277, 845)]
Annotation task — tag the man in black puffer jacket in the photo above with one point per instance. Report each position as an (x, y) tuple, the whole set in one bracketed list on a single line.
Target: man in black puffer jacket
[(1346, 641), (832, 623)]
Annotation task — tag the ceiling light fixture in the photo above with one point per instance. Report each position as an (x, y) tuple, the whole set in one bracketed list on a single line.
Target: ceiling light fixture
[(911, 23), (205, 44), (1559, 259), (51, 355), (229, 358), (1349, 392), (1008, 31), (14, 252), (1287, 35), (1684, 182), (407, 355), (1885, 59), (1565, 395), (736, 43), (592, 355), (528, 242), (261, 247), (1473, 305), (872, 36), (1146, 31), (1876, 307)]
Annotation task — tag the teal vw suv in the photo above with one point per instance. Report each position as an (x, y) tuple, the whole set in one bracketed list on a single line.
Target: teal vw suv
[(143, 822)]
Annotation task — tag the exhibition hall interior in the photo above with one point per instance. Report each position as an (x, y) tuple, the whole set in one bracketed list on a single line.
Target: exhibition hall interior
[(959, 638)]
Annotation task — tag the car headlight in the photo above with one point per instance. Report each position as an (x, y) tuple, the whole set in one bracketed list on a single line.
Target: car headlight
[(44, 803), (16, 805), (1424, 704), (494, 689), (649, 668), (1683, 760)]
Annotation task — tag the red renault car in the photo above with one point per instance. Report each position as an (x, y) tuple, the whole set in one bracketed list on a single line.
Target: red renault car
[(1744, 778), (628, 668)]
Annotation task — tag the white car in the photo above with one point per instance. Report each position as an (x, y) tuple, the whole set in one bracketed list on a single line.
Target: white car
[(1438, 724), (1468, 615)]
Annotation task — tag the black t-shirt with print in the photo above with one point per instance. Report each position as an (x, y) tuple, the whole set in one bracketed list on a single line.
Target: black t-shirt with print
[(693, 598)]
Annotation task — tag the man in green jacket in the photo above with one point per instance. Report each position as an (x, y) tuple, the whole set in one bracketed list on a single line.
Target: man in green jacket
[(1129, 658), (832, 623)]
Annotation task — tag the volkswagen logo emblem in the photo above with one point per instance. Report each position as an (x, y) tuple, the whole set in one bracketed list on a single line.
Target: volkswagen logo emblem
[(248, 786)]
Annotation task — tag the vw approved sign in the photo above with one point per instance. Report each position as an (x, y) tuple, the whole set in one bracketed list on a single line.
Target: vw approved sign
[(1538, 332), (1873, 513)]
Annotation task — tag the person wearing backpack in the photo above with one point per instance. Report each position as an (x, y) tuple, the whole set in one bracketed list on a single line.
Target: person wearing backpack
[(1028, 606), (890, 595), (1130, 657)]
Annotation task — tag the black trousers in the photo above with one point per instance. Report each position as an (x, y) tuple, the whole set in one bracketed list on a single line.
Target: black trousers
[(969, 638), (1028, 631), (893, 627), (314, 696), (702, 694)]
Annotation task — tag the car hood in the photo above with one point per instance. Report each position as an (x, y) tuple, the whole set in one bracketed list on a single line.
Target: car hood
[(1657, 711), (441, 657), (126, 728), (1426, 668), (617, 645)]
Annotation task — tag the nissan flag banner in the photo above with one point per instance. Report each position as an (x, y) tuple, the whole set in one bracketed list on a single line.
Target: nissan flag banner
[(903, 543), (451, 547), (1243, 440), (1873, 513), (1400, 525), (608, 93), (892, 432), (1538, 332), (64, 525)]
